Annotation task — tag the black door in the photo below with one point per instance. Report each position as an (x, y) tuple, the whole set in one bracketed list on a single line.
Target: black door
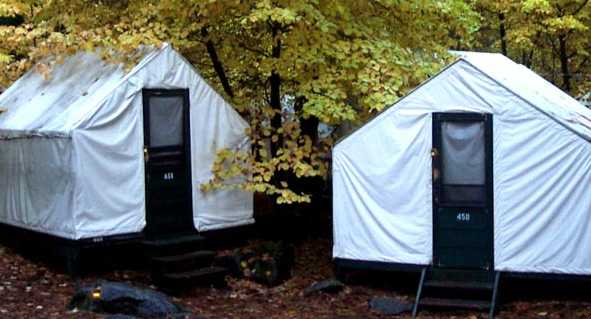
[(462, 190), (167, 154)]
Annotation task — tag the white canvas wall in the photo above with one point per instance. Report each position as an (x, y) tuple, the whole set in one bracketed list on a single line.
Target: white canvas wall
[(35, 184)]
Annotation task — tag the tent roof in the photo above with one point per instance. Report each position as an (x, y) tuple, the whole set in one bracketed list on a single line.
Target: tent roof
[(523, 83), (75, 89), (533, 89)]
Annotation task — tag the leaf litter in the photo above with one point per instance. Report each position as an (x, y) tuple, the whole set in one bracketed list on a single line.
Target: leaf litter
[(33, 290)]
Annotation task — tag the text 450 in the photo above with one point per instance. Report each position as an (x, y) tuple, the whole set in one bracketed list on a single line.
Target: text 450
[(463, 217)]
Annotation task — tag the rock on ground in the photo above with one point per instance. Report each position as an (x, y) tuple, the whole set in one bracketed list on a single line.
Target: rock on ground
[(328, 286), (389, 306), (119, 298)]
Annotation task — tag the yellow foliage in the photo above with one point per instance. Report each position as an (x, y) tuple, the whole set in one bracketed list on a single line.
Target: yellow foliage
[(551, 37), (348, 59)]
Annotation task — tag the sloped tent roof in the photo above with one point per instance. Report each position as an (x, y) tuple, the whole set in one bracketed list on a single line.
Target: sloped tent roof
[(75, 89), (541, 164), (71, 160), (534, 90)]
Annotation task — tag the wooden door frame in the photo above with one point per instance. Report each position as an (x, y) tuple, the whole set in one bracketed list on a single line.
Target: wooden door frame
[(147, 93), (487, 119)]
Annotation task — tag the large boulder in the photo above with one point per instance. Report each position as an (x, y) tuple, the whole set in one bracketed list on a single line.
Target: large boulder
[(119, 298)]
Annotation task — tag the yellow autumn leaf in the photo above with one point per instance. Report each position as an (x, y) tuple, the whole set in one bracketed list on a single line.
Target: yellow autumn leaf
[(41, 68), (89, 46)]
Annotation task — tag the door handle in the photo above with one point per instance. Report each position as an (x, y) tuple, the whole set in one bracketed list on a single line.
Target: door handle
[(146, 155), (435, 174), (434, 153)]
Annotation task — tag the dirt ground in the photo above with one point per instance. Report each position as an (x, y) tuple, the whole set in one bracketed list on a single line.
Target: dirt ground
[(33, 290)]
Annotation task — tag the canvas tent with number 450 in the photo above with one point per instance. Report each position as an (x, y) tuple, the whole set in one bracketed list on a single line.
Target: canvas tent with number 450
[(92, 151), (484, 166)]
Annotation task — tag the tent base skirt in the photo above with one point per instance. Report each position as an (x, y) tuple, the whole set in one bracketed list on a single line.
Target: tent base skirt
[(343, 266), (123, 251)]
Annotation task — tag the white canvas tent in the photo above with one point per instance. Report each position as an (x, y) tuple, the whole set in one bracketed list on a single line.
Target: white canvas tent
[(72, 160), (388, 198)]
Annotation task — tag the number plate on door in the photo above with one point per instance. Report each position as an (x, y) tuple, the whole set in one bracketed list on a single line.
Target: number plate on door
[(168, 176), (465, 218)]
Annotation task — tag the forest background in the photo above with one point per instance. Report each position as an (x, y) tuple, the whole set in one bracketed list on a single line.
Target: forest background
[(302, 72)]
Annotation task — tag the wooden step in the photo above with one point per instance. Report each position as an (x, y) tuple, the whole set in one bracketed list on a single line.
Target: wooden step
[(181, 262), (196, 255), (173, 240), (461, 275), (175, 282), (457, 303), (174, 244), (467, 285)]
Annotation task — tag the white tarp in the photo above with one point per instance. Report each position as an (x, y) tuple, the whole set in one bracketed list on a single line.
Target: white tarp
[(541, 168), (71, 147)]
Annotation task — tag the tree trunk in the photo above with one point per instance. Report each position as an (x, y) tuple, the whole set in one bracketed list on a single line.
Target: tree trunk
[(503, 32), (217, 65), (526, 57), (275, 99), (566, 76), (308, 126)]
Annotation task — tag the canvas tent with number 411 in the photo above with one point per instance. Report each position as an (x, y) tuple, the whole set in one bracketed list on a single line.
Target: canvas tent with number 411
[(484, 166), (94, 152)]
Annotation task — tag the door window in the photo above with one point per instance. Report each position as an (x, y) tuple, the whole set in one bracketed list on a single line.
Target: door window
[(166, 121), (463, 162)]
